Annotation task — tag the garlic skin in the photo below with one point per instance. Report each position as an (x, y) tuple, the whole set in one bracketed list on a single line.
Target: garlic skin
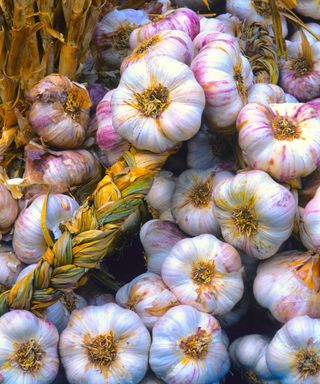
[(104, 343), (314, 27), (290, 99), (192, 201), (111, 144), (230, 319), (59, 113), (148, 296), (8, 210), (293, 355), (140, 118), (96, 92), (308, 8), (205, 273), (225, 23), (248, 355), (28, 239), (255, 213), (28, 349), (310, 223), (299, 75), (101, 299), (281, 139), (206, 37), (187, 347), (10, 266), (157, 7), (266, 94), (226, 81), (181, 19), (175, 44), (288, 285), (111, 36), (157, 238), (161, 192)]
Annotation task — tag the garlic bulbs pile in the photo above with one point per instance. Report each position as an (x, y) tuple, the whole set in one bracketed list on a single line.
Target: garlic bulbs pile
[(104, 344), (8, 210), (187, 347), (28, 349)]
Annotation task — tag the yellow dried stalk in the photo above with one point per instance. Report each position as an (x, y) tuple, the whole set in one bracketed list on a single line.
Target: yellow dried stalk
[(95, 230)]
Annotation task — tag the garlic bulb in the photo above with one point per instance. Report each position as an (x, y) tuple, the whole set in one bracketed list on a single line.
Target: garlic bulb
[(28, 240), (314, 27), (157, 238), (192, 201), (182, 19), (299, 73), (8, 210), (62, 170), (160, 194), (187, 347), (266, 94), (288, 285), (175, 44), (111, 36), (148, 296), (111, 144), (290, 99), (59, 111), (225, 80), (310, 223), (308, 8), (281, 139), (248, 355), (28, 349), (204, 272), (206, 37), (155, 108), (225, 23), (293, 355), (157, 7), (252, 11), (255, 213), (10, 266), (104, 344), (211, 150), (238, 311)]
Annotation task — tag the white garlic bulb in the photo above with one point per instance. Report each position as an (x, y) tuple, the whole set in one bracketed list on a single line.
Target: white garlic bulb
[(229, 319), (8, 210), (255, 213), (205, 273), (10, 266), (192, 201), (155, 108), (104, 344), (265, 94), (293, 355), (288, 285), (187, 347), (157, 238), (225, 23), (28, 349), (314, 27), (148, 296), (308, 8), (28, 240), (248, 355)]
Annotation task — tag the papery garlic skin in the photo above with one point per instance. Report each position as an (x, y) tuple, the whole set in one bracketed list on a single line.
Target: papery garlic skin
[(205, 273), (225, 23), (111, 36), (59, 111), (148, 296), (142, 120), (206, 37), (104, 343), (310, 223), (255, 213), (308, 8), (266, 94), (299, 75), (288, 285), (281, 139), (8, 210), (192, 201), (187, 347), (175, 44), (293, 355), (225, 80), (28, 239), (314, 27), (182, 19), (28, 349), (111, 144), (248, 355), (290, 99), (157, 238), (10, 266), (101, 299)]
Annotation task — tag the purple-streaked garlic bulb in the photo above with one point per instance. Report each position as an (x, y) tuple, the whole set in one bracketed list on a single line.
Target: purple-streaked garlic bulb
[(176, 44), (8, 210), (111, 144), (182, 19), (310, 223), (266, 94), (148, 296), (111, 36), (157, 238), (59, 111), (28, 240), (308, 8), (206, 37), (281, 139), (10, 266), (96, 92), (225, 23)]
